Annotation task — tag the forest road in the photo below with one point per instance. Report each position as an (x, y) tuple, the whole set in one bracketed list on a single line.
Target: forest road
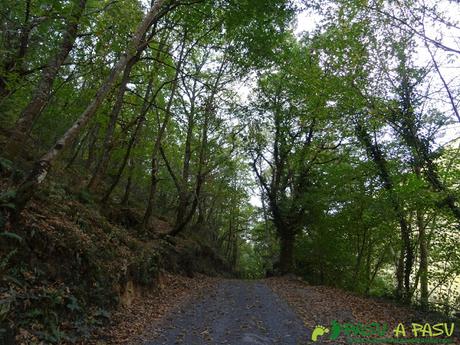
[(237, 312)]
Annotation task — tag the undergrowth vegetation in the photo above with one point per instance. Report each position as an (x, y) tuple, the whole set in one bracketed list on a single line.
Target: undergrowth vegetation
[(69, 264)]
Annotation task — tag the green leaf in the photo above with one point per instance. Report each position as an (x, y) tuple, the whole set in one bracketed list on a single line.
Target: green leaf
[(11, 235)]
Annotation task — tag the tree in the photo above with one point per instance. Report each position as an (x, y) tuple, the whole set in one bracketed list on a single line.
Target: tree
[(41, 93), (43, 165), (287, 140)]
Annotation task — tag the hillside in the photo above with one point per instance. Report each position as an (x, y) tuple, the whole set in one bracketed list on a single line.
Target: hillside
[(69, 264)]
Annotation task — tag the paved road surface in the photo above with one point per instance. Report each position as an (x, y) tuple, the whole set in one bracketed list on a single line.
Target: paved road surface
[(238, 312)]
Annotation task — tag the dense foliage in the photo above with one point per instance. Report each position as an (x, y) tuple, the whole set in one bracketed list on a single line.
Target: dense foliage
[(185, 109)]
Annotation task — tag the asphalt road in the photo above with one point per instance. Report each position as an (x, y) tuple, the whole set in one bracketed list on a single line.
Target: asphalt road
[(237, 312)]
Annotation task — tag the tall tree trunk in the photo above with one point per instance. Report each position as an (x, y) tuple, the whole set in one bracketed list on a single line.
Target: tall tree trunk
[(127, 160), (94, 133), (377, 267), (102, 162), (184, 194), (265, 214), (188, 145), (400, 274), (157, 145), (423, 248), (374, 152), (182, 182), (182, 206), (359, 257), (42, 92), (155, 155), (234, 252), (134, 139), (178, 228), (201, 209), (127, 193), (43, 165), (152, 193), (77, 150), (15, 64), (370, 250), (287, 241), (423, 266), (408, 267), (229, 239)]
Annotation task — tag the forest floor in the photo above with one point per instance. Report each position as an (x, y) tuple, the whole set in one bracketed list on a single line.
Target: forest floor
[(201, 310)]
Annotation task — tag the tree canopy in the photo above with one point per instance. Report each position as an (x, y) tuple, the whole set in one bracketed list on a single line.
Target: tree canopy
[(331, 153)]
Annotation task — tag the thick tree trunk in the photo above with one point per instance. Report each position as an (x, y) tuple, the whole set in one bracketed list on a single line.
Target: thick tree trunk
[(42, 92), (201, 209), (287, 241), (182, 206), (43, 165)]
